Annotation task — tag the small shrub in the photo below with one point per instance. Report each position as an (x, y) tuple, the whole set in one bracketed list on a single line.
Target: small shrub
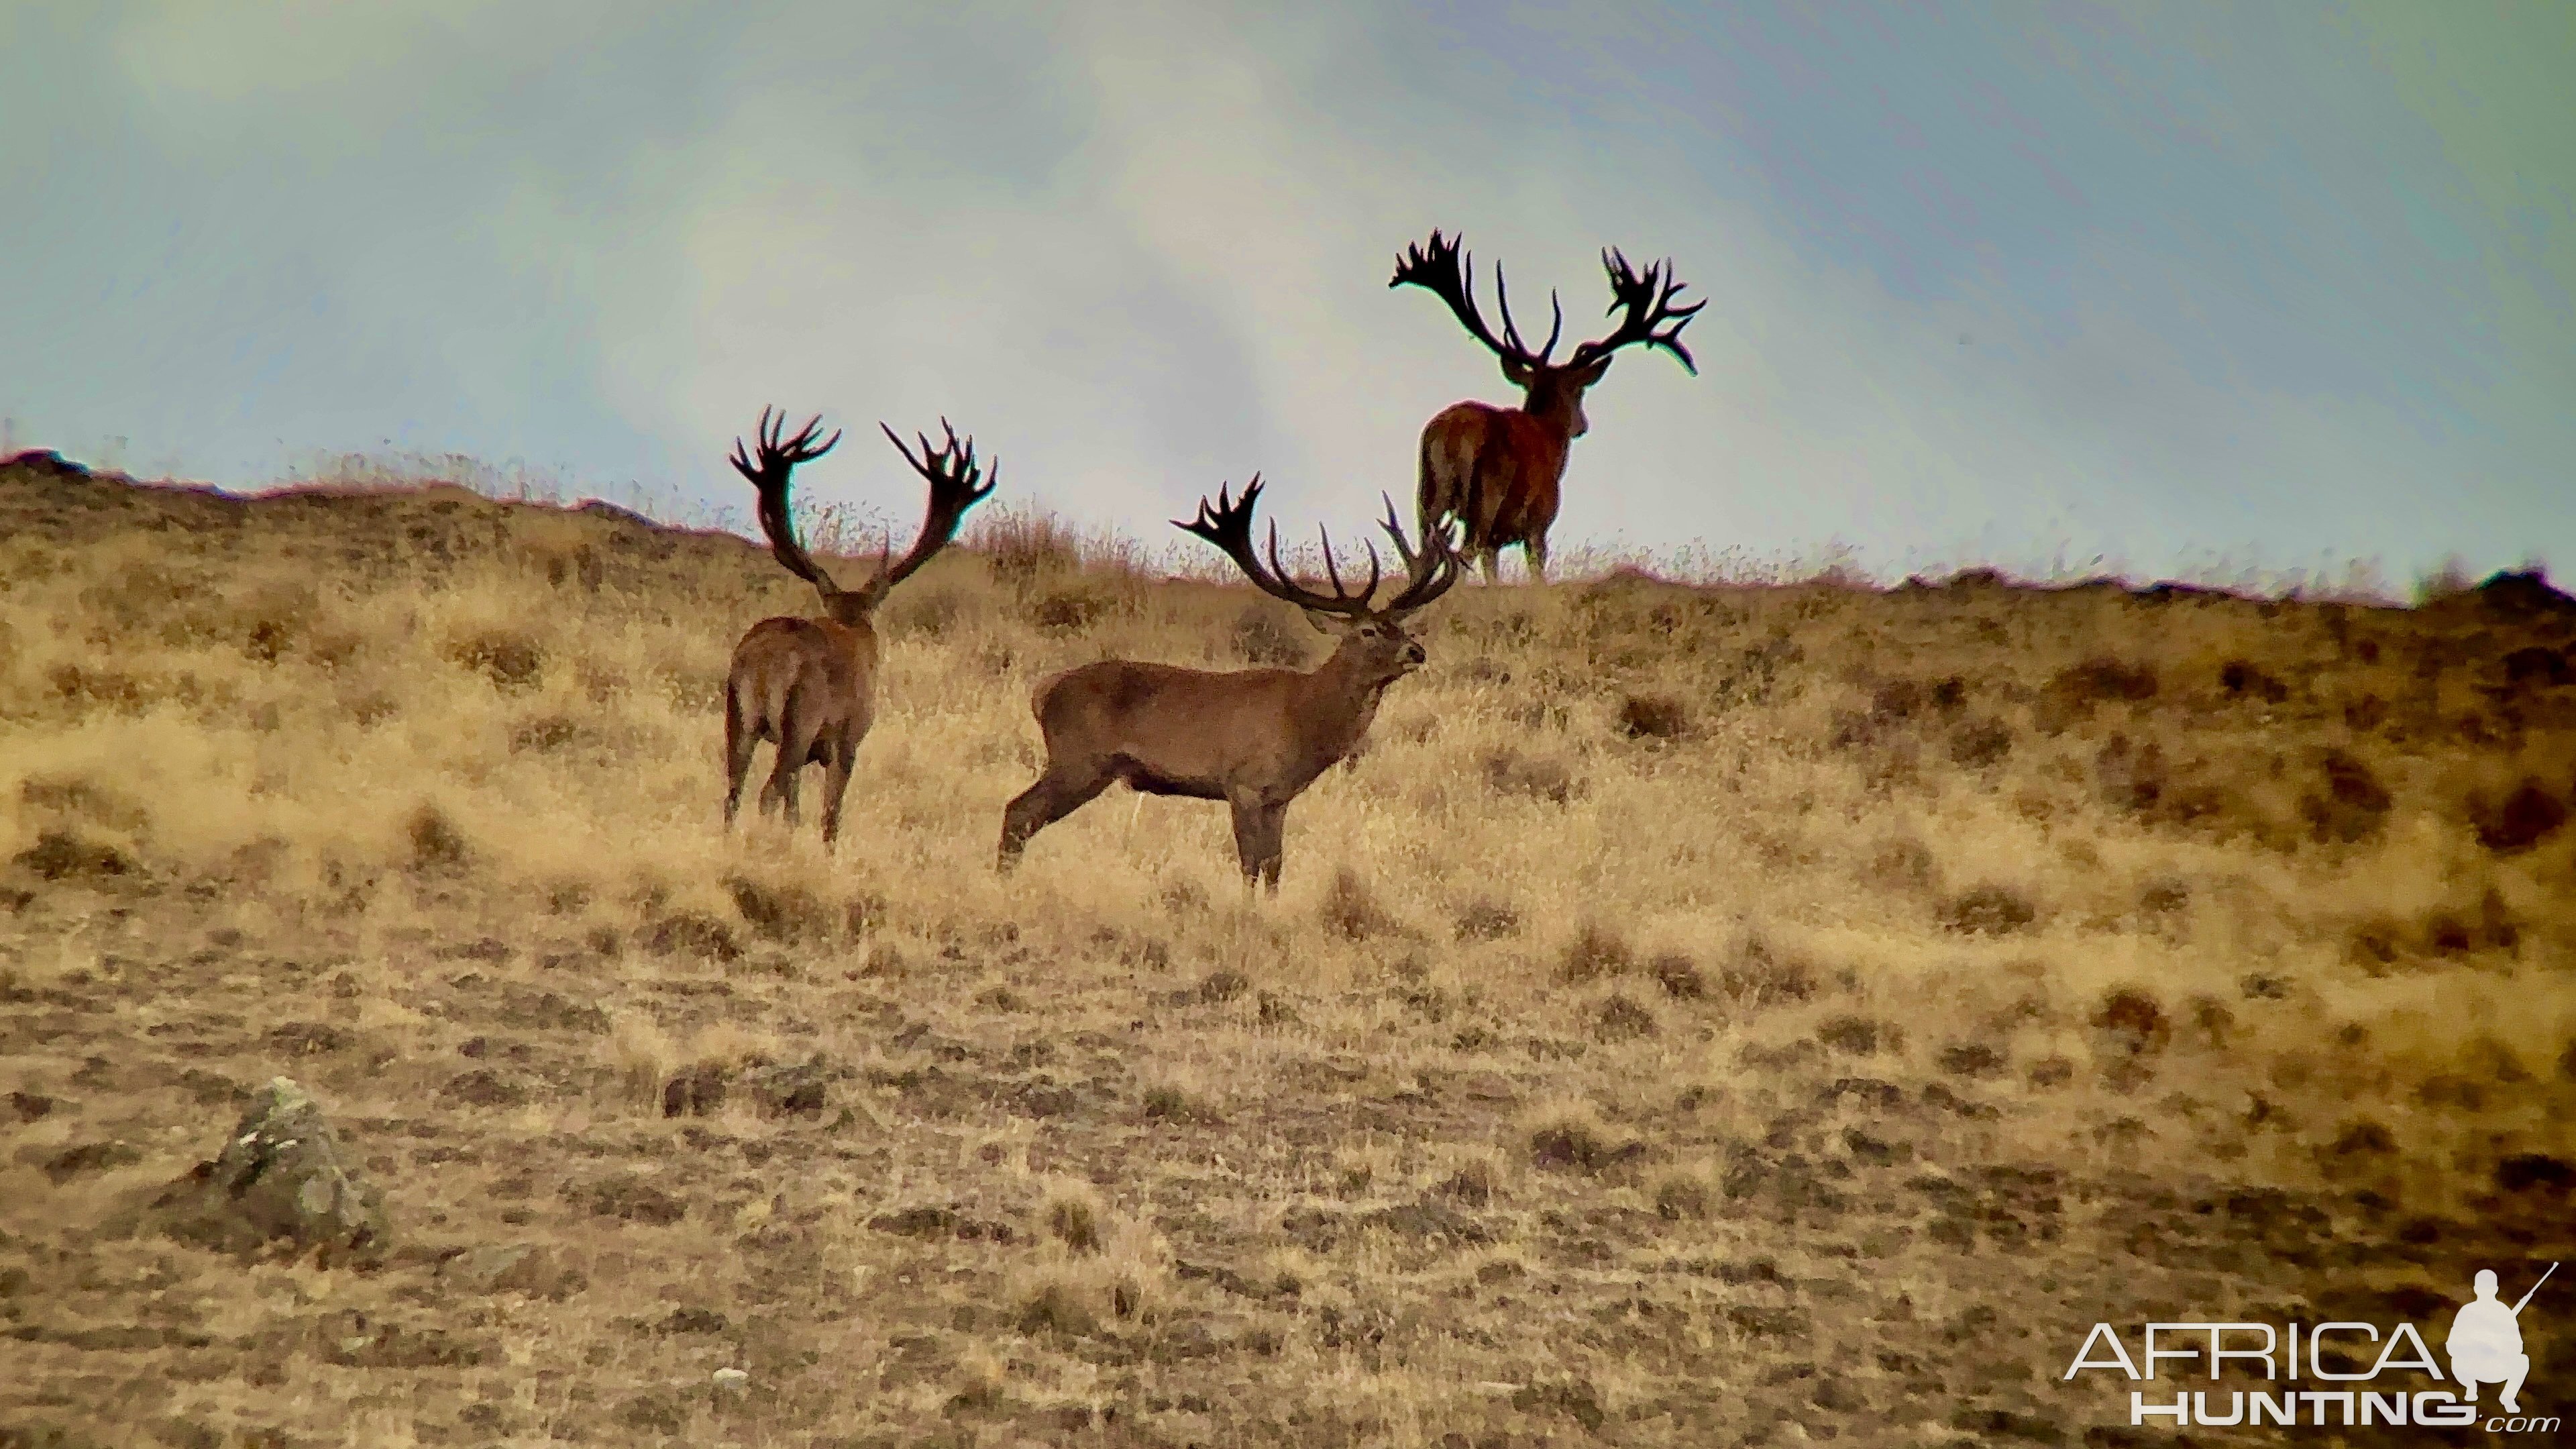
[(1473, 1183), (1971, 1059), (545, 734), (1578, 1141), (2520, 821), (1757, 975), (1596, 951), (1067, 611), (1351, 910), (690, 934), (1072, 1212), (1991, 910), (1652, 717), (1509, 772), (1980, 743), (1620, 1019), (61, 854), (780, 913), (1679, 975), (437, 846), (2243, 678), (1485, 919), (2103, 678), (1855, 1035), (1680, 1196), (512, 662), (2130, 1023), (2352, 807), (1172, 1103)]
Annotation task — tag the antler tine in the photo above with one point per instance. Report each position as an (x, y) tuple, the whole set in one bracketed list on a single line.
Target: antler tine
[(1445, 269), (1229, 527), (1647, 298), (769, 468), (1430, 572), (1395, 530), (1332, 571), (1512, 331), (953, 476)]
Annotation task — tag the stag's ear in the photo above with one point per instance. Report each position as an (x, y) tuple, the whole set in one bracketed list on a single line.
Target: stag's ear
[(1328, 623), (1594, 373), (1516, 372)]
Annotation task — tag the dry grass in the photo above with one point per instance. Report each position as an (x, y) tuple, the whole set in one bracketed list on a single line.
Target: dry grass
[(1697, 1013)]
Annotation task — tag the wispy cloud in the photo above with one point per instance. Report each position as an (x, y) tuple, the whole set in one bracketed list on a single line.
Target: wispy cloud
[(1977, 287)]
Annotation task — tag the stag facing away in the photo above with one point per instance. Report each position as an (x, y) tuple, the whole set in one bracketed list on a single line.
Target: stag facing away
[(1253, 738), (808, 685), (1499, 471)]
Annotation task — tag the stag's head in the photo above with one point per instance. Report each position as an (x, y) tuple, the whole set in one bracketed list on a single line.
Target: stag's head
[(1375, 644), (1549, 388), (957, 483)]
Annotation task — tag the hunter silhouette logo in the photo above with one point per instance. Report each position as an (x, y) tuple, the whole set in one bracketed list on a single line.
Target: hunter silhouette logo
[(2486, 1342), (2340, 1374)]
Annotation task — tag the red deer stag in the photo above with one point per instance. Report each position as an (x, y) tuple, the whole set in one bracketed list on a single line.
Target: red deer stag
[(809, 685), (1498, 470), (1254, 738)]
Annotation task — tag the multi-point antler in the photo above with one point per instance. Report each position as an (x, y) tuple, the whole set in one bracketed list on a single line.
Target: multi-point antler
[(952, 472), (1429, 573), (768, 469), (1450, 274), (1229, 527), (1648, 298)]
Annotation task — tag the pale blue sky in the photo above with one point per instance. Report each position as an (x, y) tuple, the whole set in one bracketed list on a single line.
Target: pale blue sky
[(2277, 283)]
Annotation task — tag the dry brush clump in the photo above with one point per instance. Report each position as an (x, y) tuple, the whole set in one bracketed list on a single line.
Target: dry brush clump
[(1655, 923)]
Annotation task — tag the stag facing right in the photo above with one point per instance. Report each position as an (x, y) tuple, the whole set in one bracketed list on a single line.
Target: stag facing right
[(1253, 738)]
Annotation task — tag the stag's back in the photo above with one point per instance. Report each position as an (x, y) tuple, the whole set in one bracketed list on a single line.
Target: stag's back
[(1187, 730)]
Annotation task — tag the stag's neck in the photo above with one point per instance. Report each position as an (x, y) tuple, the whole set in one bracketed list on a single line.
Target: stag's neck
[(1342, 699), (1554, 427)]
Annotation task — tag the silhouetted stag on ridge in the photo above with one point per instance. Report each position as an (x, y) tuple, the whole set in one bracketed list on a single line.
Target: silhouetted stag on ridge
[(1499, 471), (1254, 738), (809, 685)]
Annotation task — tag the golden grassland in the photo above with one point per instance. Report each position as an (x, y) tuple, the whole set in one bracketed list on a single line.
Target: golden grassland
[(1704, 1014)]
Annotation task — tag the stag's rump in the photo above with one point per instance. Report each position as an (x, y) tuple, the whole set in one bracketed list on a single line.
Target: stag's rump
[(812, 665)]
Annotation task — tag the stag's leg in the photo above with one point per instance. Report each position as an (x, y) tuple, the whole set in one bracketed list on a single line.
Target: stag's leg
[(740, 741), (1490, 560), (1534, 552), (796, 739), (1258, 825), (1057, 794), (836, 787), (1274, 831)]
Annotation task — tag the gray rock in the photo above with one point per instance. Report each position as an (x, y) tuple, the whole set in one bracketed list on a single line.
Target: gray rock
[(282, 1176), (511, 1268)]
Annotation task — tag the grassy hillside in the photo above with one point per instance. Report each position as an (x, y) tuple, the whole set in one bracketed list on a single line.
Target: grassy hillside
[(1704, 1015)]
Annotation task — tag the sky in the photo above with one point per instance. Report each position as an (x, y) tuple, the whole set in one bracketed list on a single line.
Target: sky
[(2177, 287)]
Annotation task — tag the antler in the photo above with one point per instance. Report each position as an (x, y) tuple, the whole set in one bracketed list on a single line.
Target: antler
[(768, 471), (1229, 527), (952, 473), (1648, 298), (1450, 274), (1429, 573)]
